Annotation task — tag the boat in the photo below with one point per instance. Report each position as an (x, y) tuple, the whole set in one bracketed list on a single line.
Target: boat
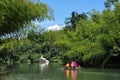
[(70, 68), (73, 66), (43, 60)]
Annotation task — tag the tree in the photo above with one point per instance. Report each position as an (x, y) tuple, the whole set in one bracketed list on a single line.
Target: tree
[(75, 18), (110, 3), (16, 14)]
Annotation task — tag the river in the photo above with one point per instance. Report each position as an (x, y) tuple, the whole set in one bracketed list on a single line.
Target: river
[(54, 72)]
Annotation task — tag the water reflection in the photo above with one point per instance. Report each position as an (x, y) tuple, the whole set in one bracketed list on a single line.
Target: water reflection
[(71, 74), (2, 73), (43, 67), (3, 77), (67, 74), (51, 72)]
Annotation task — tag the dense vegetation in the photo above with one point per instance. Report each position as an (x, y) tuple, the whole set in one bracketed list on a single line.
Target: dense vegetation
[(93, 40), (16, 18)]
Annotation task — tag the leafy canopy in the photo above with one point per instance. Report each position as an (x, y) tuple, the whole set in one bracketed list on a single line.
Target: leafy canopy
[(16, 14)]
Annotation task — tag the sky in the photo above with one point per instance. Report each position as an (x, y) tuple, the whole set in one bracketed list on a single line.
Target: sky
[(63, 9)]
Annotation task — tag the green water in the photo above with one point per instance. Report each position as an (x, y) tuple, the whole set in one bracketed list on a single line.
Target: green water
[(54, 72)]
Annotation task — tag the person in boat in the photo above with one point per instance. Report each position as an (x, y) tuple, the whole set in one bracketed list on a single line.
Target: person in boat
[(67, 66), (74, 65)]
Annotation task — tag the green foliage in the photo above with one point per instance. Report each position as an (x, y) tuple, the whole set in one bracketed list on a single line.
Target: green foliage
[(92, 41), (109, 3), (16, 14), (73, 21), (96, 39)]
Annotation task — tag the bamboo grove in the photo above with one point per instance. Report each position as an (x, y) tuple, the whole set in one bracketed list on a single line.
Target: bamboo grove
[(92, 39)]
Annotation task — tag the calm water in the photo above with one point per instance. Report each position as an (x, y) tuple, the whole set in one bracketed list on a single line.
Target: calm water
[(54, 72)]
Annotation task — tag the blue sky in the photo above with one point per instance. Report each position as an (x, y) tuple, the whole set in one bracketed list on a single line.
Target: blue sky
[(63, 9)]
